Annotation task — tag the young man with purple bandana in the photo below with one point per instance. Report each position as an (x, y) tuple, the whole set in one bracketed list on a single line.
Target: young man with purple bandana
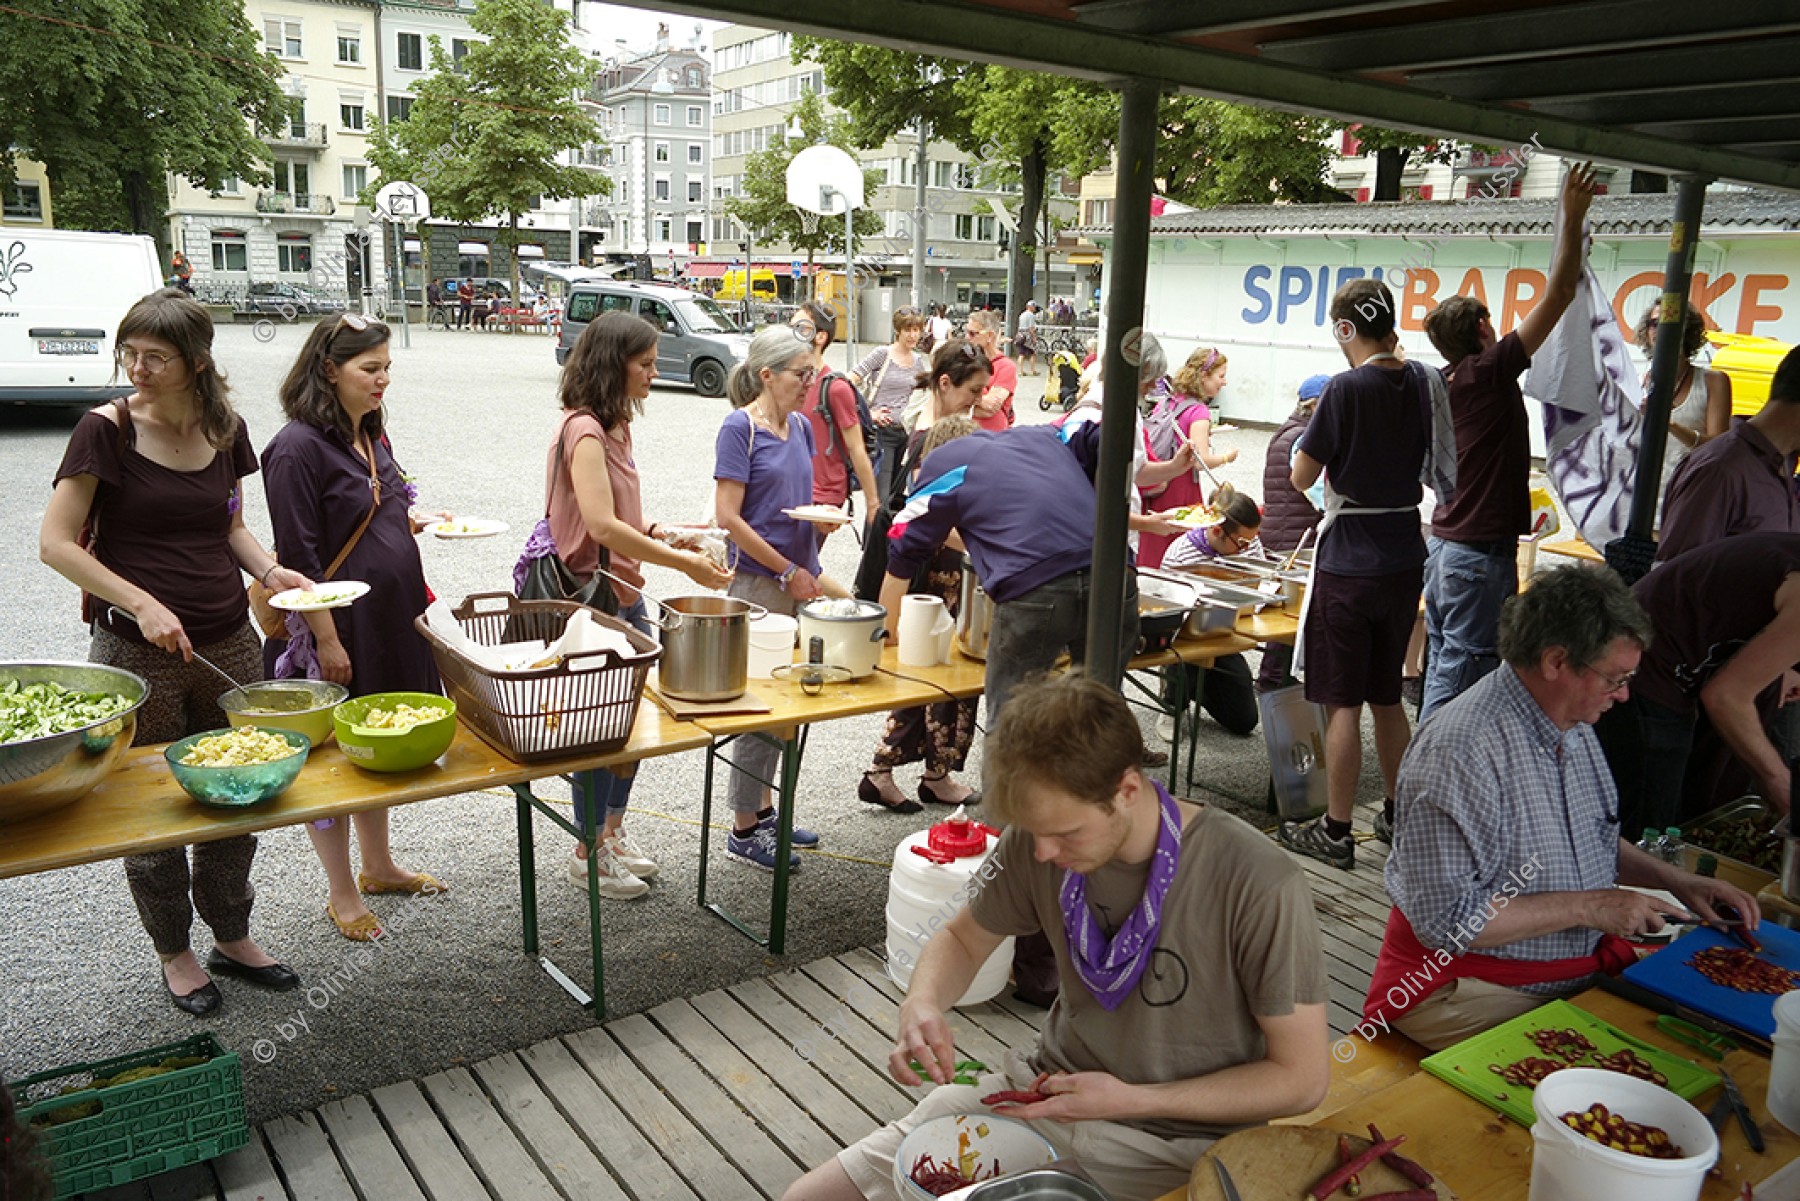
[(1193, 999)]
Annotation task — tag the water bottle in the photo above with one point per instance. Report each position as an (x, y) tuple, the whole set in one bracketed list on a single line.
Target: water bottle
[(1671, 846), (1647, 841)]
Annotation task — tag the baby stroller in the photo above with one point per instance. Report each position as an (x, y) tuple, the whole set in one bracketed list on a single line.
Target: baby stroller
[(1062, 380)]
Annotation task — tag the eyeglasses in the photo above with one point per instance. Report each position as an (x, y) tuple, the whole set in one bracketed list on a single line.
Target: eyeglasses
[(1613, 683), (806, 374), (151, 361), (355, 321), (1239, 543)]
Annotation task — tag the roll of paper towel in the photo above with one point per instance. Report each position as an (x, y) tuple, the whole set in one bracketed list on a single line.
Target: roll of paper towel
[(925, 630)]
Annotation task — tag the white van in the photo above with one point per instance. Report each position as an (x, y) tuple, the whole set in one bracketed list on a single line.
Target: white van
[(62, 295)]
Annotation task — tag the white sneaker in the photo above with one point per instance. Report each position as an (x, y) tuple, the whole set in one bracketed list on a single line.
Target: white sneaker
[(615, 882), (632, 856), (1165, 727)]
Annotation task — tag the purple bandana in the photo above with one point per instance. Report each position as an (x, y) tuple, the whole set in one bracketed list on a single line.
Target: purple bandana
[(1111, 969)]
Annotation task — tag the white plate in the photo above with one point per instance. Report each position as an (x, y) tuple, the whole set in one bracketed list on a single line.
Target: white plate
[(1204, 523), (467, 527), (333, 595), (818, 514)]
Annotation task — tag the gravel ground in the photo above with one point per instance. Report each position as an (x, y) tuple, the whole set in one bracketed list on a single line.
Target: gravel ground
[(470, 416)]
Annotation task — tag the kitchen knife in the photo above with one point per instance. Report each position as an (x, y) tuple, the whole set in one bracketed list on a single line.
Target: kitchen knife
[(1752, 1135), (1656, 1002), (1226, 1183)]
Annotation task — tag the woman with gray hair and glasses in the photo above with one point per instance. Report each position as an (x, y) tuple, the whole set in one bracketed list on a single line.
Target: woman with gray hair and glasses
[(763, 467)]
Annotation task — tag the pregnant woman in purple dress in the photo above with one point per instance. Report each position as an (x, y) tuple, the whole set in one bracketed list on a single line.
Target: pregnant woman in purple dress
[(332, 483)]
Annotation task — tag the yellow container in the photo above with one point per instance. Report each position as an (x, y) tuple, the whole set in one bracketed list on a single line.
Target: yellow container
[(1750, 364)]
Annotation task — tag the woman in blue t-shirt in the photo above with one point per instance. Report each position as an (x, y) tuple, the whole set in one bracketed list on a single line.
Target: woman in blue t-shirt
[(763, 466)]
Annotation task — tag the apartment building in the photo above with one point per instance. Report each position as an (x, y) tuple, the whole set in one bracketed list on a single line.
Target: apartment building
[(755, 88), (298, 228), (655, 114), (27, 202)]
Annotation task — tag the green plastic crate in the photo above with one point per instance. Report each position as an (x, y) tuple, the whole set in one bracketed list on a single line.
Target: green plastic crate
[(145, 1127)]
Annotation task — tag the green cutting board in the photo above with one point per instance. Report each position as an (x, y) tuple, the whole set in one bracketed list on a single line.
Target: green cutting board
[(1466, 1065)]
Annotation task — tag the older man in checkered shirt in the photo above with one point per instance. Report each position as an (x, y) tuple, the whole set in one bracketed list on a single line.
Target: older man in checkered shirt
[(1506, 846)]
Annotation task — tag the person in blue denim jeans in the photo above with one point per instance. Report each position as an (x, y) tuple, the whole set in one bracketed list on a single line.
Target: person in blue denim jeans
[(1472, 567), (594, 509)]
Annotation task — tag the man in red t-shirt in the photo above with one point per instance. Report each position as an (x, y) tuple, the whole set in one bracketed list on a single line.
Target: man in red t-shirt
[(994, 411), (837, 452), (1472, 565)]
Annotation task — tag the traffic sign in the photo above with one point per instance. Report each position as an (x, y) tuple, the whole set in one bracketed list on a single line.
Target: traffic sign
[(799, 269)]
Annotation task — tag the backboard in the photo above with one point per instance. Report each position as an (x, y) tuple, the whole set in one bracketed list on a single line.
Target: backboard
[(821, 179)]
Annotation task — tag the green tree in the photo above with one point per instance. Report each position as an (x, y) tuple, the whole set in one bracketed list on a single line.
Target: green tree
[(1024, 125), (484, 133), (762, 205), (1213, 152), (114, 95)]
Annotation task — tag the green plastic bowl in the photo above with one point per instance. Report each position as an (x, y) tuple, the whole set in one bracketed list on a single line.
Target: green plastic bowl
[(394, 750), (303, 706), (237, 787)]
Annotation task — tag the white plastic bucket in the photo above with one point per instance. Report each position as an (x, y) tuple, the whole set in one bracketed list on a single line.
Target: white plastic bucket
[(1784, 1066), (771, 644), (920, 891), (1566, 1166)]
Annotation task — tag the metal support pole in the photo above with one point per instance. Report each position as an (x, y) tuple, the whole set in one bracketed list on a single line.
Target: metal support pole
[(850, 276), (1124, 321), (919, 216), (1665, 369), (399, 270)]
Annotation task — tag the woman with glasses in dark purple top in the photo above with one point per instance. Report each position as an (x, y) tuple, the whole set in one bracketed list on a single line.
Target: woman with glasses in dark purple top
[(147, 519)]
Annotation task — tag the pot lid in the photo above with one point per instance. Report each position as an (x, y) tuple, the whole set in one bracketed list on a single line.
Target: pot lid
[(811, 675)]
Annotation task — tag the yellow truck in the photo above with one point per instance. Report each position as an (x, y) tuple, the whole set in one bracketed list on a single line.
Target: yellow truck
[(762, 285)]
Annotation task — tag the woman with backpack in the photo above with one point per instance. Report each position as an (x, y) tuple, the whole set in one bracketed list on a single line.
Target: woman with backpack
[(835, 411), (885, 377), (1178, 418)]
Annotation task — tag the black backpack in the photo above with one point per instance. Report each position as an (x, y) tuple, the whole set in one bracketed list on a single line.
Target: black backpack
[(862, 413)]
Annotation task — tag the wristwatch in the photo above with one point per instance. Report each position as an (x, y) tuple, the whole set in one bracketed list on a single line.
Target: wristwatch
[(792, 569)]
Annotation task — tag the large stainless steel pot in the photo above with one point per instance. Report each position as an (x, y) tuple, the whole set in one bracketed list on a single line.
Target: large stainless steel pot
[(41, 774), (974, 617), (705, 647)]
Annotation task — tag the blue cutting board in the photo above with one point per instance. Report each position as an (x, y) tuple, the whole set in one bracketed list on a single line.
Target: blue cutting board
[(1667, 972)]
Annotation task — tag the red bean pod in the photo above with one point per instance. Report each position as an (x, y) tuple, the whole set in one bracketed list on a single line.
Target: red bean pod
[(1406, 1167), (1334, 1180)]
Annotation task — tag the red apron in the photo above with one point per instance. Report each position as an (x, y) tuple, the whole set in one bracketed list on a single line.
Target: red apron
[(1409, 965)]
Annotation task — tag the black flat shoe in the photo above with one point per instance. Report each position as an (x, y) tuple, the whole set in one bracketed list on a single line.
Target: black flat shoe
[(200, 1002), (932, 798), (868, 793), (276, 977)]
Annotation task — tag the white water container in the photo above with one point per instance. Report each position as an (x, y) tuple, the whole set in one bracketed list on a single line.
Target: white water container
[(935, 873), (1784, 1067), (1566, 1166)]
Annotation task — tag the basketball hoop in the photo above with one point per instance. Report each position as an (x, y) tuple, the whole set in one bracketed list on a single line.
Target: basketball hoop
[(809, 220)]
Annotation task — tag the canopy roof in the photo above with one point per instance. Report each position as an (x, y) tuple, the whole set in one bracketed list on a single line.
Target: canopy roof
[(1682, 89)]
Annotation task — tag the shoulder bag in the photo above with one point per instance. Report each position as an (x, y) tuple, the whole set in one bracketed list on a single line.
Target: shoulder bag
[(272, 621), (547, 577)]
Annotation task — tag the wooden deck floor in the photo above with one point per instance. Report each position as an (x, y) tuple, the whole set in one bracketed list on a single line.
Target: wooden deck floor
[(704, 1098)]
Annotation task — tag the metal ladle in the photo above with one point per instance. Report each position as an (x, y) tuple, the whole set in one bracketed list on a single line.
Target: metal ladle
[(114, 610)]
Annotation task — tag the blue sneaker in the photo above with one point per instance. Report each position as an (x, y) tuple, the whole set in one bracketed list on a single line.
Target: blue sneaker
[(802, 837), (758, 849)]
